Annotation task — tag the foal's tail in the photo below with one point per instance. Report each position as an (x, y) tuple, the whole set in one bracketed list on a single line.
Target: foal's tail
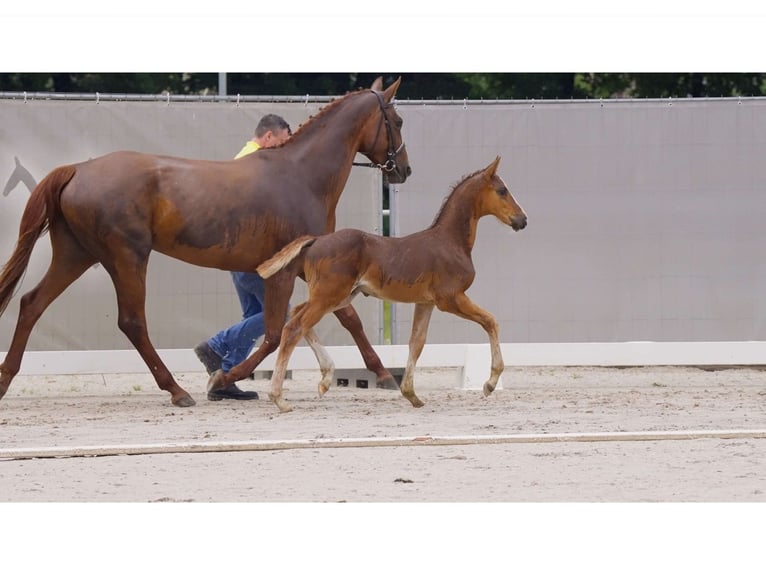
[(41, 208), (284, 256)]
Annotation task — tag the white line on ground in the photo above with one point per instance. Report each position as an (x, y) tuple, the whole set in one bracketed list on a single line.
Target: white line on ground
[(239, 446)]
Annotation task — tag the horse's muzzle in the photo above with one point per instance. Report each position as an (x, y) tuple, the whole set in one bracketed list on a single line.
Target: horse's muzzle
[(518, 222), (399, 174)]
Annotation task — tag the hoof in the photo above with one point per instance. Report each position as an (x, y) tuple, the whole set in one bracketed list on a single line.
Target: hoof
[(216, 381), (389, 383), (184, 401), (322, 388), (281, 403), (488, 389), (416, 402)]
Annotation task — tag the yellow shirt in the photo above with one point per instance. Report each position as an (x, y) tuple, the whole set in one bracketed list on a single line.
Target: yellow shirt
[(248, 148)]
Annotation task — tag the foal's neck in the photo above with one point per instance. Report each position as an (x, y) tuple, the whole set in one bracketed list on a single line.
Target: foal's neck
[(457, 220)]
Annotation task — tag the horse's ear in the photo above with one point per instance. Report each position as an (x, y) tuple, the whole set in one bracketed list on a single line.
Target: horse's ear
[(377, 85), (391, 91), (492, 168)]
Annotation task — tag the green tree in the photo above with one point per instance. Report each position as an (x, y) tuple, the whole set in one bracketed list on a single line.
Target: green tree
[(419, 85)]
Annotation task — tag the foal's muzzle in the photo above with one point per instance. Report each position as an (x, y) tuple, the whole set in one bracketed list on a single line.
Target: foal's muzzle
[(518, 222)]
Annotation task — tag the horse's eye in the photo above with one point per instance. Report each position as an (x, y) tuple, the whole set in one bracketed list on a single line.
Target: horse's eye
[(502, 192)]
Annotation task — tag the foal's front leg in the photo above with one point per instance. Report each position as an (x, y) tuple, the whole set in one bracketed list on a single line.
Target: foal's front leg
[(420, 320), (462, 306)]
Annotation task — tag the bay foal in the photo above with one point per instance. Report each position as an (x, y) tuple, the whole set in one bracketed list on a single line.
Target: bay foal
[(430, 268)]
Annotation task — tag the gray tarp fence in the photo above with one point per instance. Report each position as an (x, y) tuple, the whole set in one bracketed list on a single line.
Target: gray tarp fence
[(185, 303), (645, 216)]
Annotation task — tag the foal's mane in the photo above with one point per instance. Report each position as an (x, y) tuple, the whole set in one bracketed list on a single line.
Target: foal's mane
[(452, 192)]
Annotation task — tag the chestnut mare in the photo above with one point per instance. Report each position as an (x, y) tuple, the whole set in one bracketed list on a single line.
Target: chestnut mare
[(428, 268), (229, 215)]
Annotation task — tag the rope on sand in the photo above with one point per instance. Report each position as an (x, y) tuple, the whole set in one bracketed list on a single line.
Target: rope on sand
[(249, 446)]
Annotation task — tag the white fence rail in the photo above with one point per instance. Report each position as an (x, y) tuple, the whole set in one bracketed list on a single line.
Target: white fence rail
[(472, 359)]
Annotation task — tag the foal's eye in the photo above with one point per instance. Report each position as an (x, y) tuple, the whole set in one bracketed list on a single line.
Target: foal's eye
[(502, 192)]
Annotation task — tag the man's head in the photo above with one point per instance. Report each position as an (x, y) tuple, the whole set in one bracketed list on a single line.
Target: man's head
[(272, 131)]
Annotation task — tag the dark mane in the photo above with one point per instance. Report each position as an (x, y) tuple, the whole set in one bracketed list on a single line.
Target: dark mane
[(326, 109), (454, 189)]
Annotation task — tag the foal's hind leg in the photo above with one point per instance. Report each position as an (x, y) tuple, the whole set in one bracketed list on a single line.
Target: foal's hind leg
[(300, 325), (68, 262), (278, 289), (349, 318), (326, 364), (420, 319), (128, 272), (462, 306)]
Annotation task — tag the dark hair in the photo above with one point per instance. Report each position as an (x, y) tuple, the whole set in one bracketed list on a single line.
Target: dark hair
[(273, 123)]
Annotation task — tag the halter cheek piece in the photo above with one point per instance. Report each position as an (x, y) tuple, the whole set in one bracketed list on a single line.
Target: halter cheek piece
[(390, 164)]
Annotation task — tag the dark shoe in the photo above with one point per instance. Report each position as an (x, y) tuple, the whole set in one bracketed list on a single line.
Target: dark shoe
[(232, 392), (208, 357)]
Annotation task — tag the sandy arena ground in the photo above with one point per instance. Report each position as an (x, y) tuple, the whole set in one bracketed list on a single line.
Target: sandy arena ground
[(86, 411), (77, 412)]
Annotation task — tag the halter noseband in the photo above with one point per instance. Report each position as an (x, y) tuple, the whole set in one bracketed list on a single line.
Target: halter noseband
[(390, 164)]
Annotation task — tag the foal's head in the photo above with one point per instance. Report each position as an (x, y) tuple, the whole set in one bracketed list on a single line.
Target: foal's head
[(495, 199)]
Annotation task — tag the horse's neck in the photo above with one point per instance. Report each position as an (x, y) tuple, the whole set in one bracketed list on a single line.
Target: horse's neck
[(332, 139), (329, 146)]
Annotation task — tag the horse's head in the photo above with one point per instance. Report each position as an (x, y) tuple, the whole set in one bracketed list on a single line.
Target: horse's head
[(382, 138), (497, 200)]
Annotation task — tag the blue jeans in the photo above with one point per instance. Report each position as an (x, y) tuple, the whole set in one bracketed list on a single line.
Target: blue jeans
[(235, 343)]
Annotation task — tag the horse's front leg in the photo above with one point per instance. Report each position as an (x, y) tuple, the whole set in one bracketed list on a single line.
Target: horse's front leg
[(278, 289), (462, 306), (349, 318), (129, 278), (420, 319)]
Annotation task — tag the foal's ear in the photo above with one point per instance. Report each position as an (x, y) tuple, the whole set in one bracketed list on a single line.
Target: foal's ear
[(492, 168), (377, 85), (391, 91)]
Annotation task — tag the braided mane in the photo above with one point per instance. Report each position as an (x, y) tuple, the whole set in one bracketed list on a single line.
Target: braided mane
[(327, 109)]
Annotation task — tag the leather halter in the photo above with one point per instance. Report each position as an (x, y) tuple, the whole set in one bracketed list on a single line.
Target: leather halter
[(390, 164)]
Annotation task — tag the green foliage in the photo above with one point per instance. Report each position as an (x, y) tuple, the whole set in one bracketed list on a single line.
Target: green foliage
[(415, 86)]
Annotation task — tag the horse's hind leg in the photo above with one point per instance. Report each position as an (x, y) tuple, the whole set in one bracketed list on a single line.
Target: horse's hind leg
[(420, 319), (349, 318), (68, 262), (128, 274)]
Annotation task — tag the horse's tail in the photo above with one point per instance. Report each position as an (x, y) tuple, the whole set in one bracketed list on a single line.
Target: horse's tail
[(41, 208), (284, 256)]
